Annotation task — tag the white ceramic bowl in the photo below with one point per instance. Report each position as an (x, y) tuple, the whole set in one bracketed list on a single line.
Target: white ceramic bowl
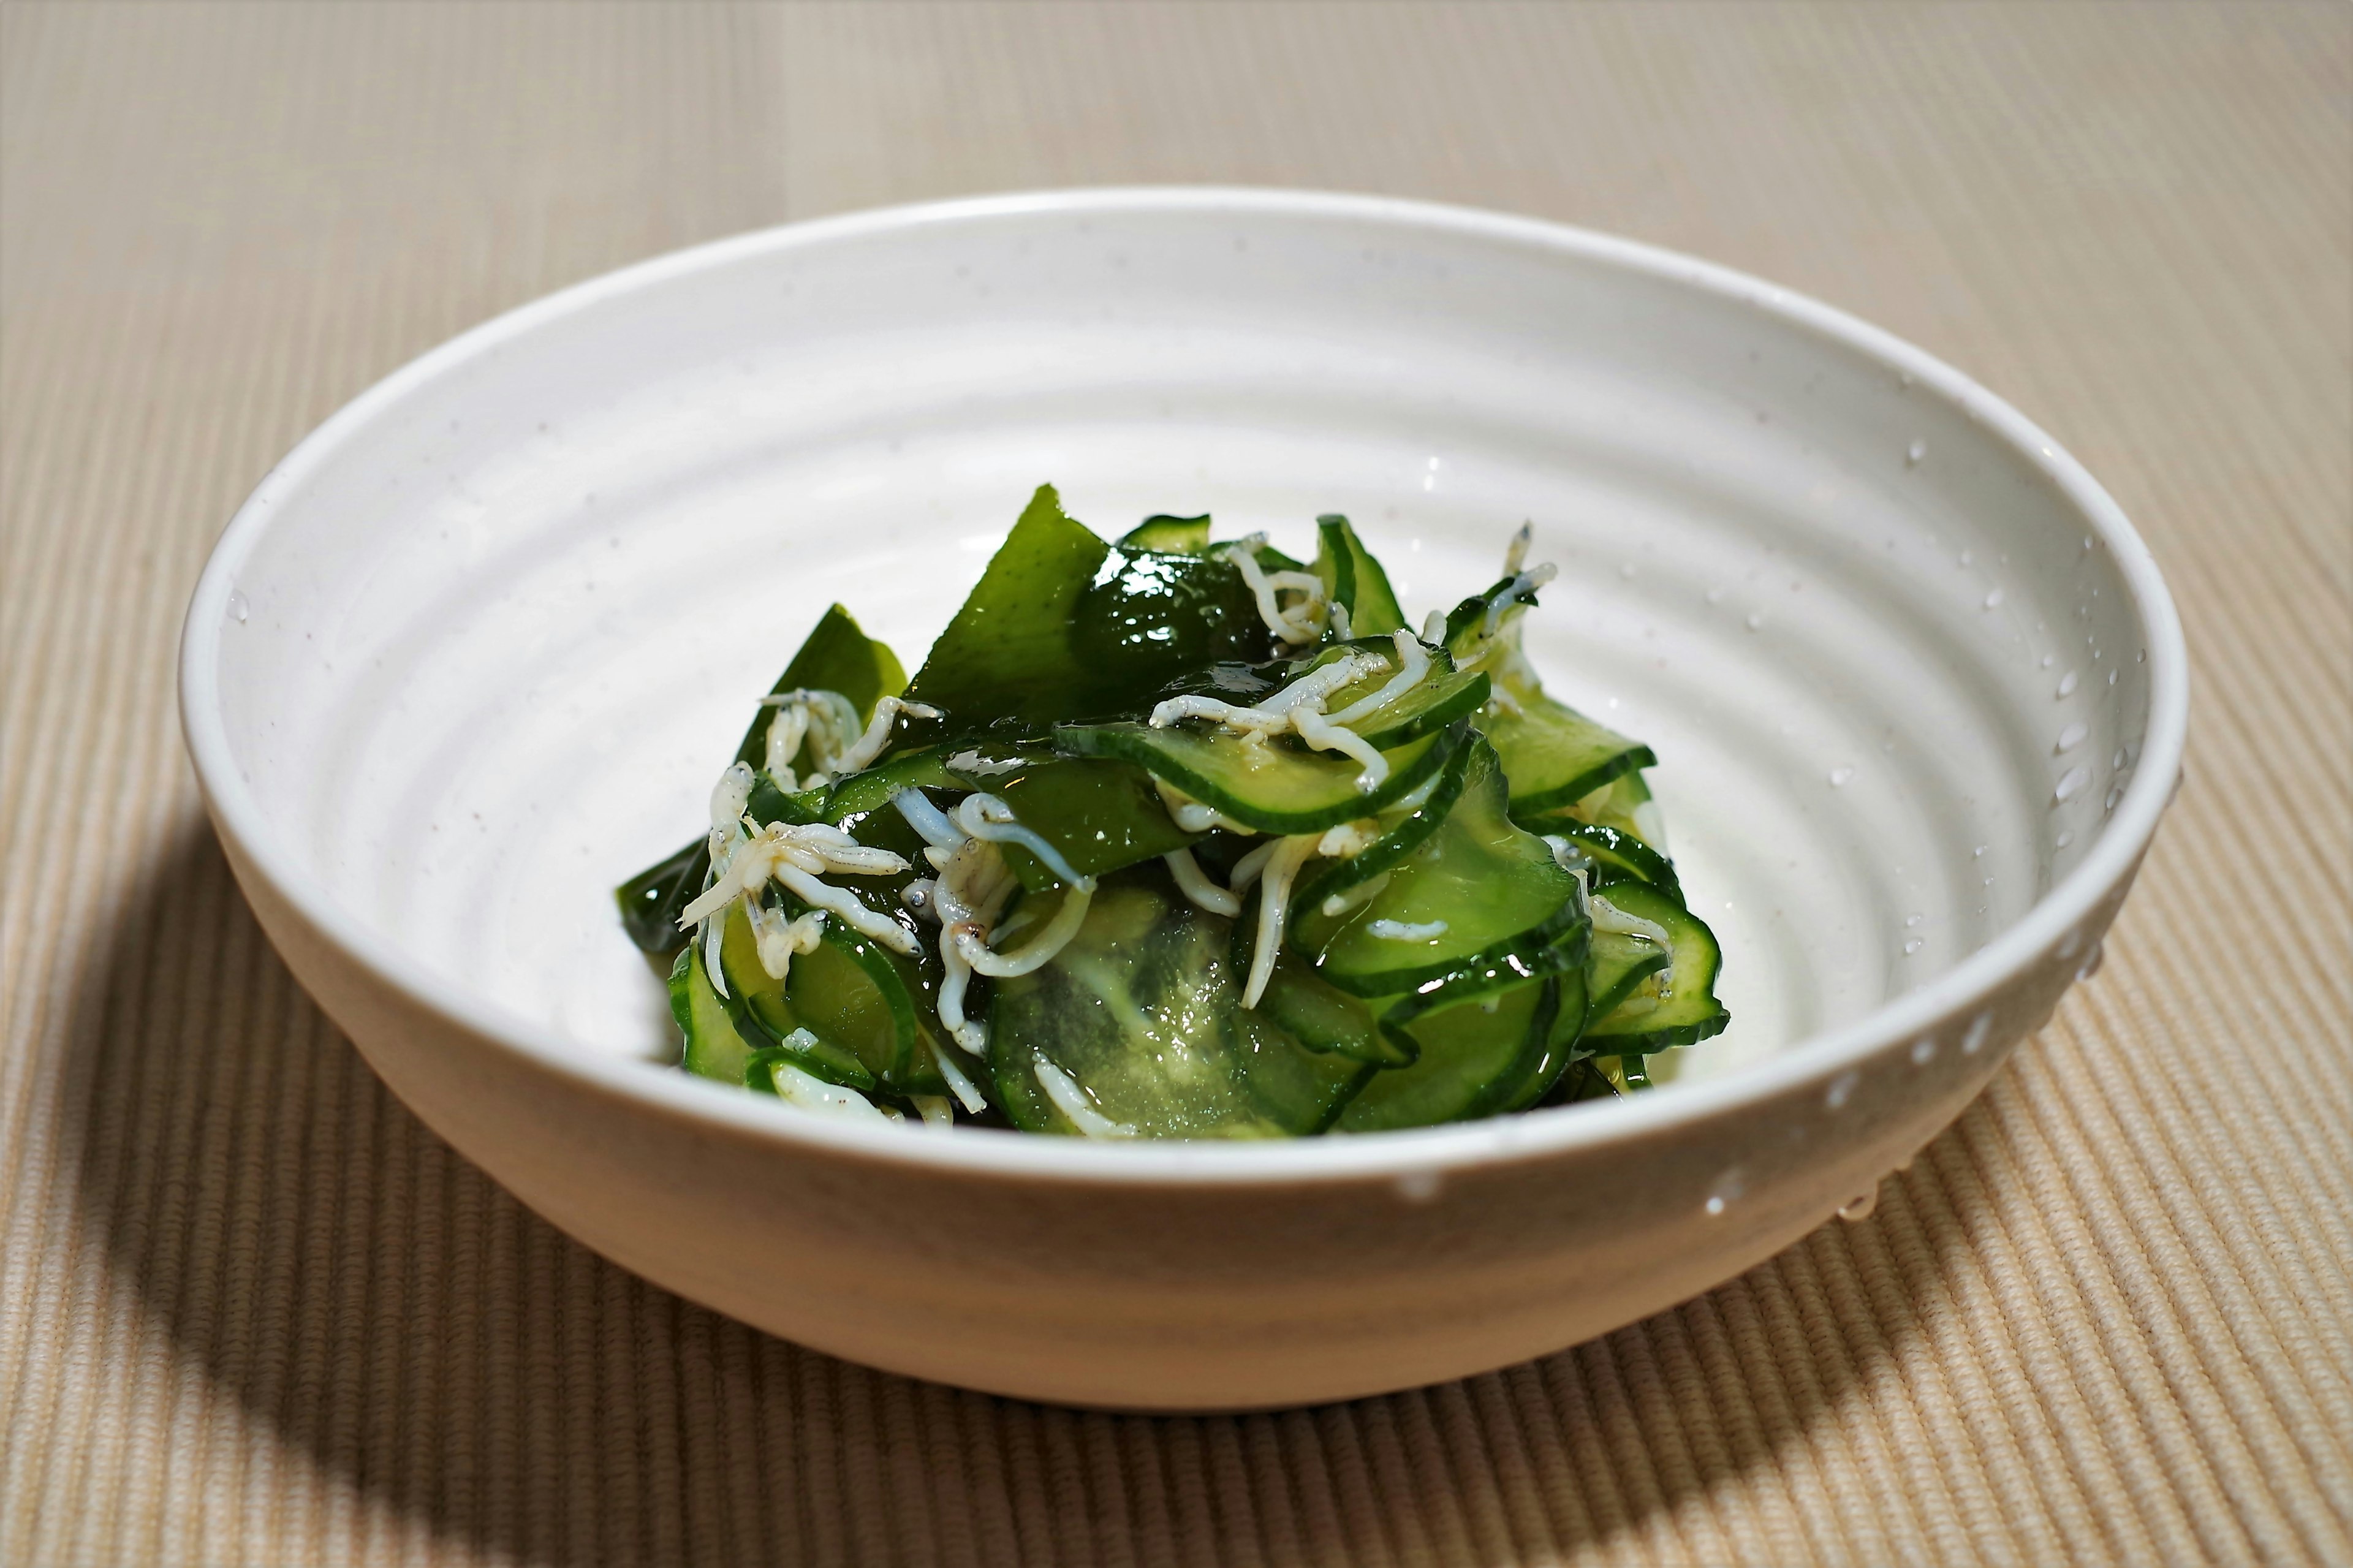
[(476, 650)]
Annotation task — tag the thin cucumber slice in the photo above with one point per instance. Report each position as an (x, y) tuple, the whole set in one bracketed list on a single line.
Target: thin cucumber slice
[(1555, 755), (1168, 535), (1475, 891), (652, 900), (1321, 1016), (1618, 964), (1352, 578), (835, 657), (1101, 813), (1474, 1053), (861, 794), (723, 1040), (1617, 805), (1614, 966), (1689, 1012), (1617, 856), (1273, 787), (1404, 828), (1140, 1016), (830, 993), (1437, 700)]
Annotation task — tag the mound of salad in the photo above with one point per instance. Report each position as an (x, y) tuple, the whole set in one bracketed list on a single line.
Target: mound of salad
[(1170, 838)]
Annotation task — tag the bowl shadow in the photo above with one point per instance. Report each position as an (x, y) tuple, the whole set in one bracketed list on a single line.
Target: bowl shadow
[(387, 1316)]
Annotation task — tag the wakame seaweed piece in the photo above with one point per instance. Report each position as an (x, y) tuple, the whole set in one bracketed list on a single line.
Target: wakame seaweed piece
[(835, 657), (1473, 1053), (1272, 787), (1006, 654), (1352, 578), (652, 900), (1064, 626), (1148, 617), (1689, 1012), (1617, 856), (723, 1040), (1168, 535), (1101, 813), (1476, 892), (1140, 1016), (1403, 828)]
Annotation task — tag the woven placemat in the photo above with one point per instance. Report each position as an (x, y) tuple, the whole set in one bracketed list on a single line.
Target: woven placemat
[(251, 1312)]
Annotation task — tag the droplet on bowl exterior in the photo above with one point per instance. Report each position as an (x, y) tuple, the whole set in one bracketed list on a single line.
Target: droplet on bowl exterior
[(2071, 783), (1855, 1210)]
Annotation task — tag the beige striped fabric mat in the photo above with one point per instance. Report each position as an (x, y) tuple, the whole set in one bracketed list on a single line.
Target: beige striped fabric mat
[(251, 1312)]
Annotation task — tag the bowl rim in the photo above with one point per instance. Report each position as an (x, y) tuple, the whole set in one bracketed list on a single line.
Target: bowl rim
[(982, 1153)]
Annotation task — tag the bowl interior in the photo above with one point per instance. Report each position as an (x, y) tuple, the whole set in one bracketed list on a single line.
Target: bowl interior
[(496, 642)]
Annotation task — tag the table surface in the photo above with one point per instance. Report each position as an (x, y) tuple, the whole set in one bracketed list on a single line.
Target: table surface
[(251, 1311)]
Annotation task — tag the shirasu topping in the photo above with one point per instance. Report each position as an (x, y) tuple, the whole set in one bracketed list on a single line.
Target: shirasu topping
[(1072, 1101), (1274, 865), (1303, 620), (971, 890), (745, 857), (1195, 884), (1609, 917), (822, 726), (1298, 707)]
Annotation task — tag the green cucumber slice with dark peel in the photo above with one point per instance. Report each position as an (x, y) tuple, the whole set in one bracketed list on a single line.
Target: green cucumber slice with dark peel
[(1141, 1014), (1615, 965), (1476, 890), (1318, 1014), (835, 657), (1352, 578), (1403, 830), (1474, 1053), (722, 1039), (1168, 535), (831, 992), (1689, 1012), (1101, 813), (652, 900), (1555, 755), (1614, 807), (1274, 786), (858, 794), (1617, 856)]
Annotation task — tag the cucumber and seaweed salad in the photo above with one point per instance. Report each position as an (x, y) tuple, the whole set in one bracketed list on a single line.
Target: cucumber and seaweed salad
[(1170, 838)]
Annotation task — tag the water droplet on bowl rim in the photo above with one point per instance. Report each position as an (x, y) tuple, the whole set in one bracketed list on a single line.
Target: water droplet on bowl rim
[(2071, 783), (1842, 1090), (238, 609), (2073, 736), (1839, 775), (1993, 600), (1916, 453), (1924, 1050), (2068, 682)]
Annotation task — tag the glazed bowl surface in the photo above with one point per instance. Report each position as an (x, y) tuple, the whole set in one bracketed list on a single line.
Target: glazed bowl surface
[(476, 650)]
